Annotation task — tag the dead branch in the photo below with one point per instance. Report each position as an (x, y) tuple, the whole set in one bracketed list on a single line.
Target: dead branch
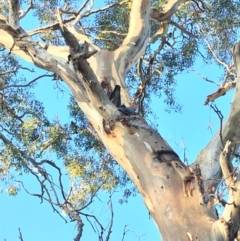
[(221, 91), (219, 113)]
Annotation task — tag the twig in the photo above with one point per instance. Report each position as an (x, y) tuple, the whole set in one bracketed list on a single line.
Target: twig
[(20, 234), (124, 232), (205, 78)]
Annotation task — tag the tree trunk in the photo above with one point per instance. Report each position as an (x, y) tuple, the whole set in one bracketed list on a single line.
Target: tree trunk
[(178, 198)]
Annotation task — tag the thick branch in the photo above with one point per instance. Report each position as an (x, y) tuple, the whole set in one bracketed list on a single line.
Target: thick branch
[(136, 40), (14, 8), (225, 164), (231, 214), (78, 55), (209, 156), (220, 92), (236, 57)]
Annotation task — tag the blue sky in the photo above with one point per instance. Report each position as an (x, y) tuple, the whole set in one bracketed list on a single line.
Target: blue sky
[(38, 222)]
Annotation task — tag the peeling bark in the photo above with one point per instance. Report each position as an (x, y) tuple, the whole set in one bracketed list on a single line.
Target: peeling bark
[(220, 92)]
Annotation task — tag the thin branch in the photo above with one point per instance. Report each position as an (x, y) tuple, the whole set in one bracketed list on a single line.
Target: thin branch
[(56, 26), (219, 113), (49, 200), (10, 110), (30, 70), (9, 71), (182, 29), (80, 15), (215, 56), (28, 84), (96, 220), (124, 232), (24, 13), (111, 220), (59, 176), (205, 78), (20, 234)]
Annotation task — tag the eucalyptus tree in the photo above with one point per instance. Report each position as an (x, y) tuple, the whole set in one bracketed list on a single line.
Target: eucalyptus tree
[(111, 63)]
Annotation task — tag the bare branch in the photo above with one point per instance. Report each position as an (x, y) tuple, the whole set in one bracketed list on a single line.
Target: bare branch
[(216, 58), (219, 113), (106, 7), (124, 232), (42, 197), (29, 83), (20, 234), (182, 29), (221, 91), (24, 13), (111, 220), (9, 72), (205, 78), (59, 175), (96, 220), (80, 15), (55, 26)]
